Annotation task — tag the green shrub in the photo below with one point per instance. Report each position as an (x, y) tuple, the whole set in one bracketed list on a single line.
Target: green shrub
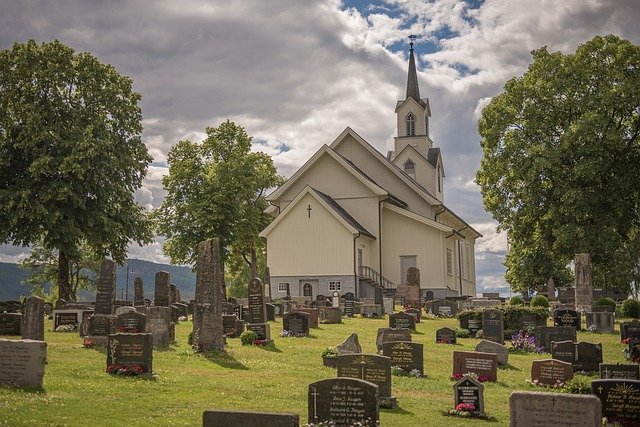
[(516, 301), (463, 333), (510, 314), (631, 308), (190, 338), (540, 301), (579, 384), (606, 301), (248, 337), (330, 352)]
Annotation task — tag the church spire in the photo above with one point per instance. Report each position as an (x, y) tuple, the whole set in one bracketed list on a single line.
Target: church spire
[(412, 79)]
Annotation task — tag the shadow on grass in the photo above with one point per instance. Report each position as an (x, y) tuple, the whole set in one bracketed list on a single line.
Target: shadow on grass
[(416, 333), (164, 349), (397, 410), (224, 359), (142, 377), (508, 367), (270, 347)]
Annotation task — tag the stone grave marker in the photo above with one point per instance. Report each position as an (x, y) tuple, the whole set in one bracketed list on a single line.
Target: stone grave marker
[(22, 363), (257, 309), (67, 318), (162, 290), (469, 391), (84, 329), (172, 293), (207, 333), (551, 371), (482, 364), (500, 350), (344, 401), (349, 346), (262, 330), (529, 321), (471, 324), (378, 298), (10, 324), (314, 316), (405, 354), (307, 290), (387, 305), (444, 308), (402, 320), (223, 418), (271, 312), (296, 323), (583, 356), (545, 335), (412, 298), (536, 409), (349, 298), (321, 301), (127, 350), (446, 336), (159, 325), (332, 315), (138, 292), (415, 313), (633, 349), (584, 285), (371, 310), (335, 299), (369, 367), (106, 293), (229, 326), (630, 329), (493, 326), (131, 322), (32, 327), (390, 334), (239, 311), (564, 351), (620, 400), (567, 318), (617, 371), (602, 321)]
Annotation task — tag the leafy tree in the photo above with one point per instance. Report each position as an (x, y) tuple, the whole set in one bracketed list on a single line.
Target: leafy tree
[(217, 189), (559, 170), (42, 265), (71, 155)]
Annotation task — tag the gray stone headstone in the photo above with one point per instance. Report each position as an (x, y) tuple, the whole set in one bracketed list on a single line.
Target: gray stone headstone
[(160, 326), (257, 309), (222, 418), (412, 297), (138, 292), (406, 355), (601, 322), (173, 294), (368, 367), (126, 350), (161, 296), (106, 293), (22, 363), (499, 350), (32, 327), (207, 332), (535, 409), (349, 346), (343, 401), (332, 315), (584, 286)]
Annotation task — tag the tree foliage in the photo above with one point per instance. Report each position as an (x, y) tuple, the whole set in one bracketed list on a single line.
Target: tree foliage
[(71, 154), (217, 189), (561, 158)]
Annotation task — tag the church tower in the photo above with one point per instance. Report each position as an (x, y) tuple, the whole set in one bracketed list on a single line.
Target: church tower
[(413, 148)]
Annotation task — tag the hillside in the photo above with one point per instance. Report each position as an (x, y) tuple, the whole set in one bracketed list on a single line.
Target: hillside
[(12, 274)]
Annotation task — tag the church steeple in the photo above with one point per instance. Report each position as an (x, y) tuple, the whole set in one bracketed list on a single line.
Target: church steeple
[(412, 78)]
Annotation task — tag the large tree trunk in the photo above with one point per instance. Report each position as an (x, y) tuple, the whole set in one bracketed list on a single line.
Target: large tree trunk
[(64, 286)]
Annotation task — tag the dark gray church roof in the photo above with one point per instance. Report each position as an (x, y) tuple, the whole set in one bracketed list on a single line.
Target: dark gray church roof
[(413, 91), (344, 214), (432, 156)]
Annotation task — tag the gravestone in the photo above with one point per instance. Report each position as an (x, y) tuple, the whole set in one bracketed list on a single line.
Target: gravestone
[(493, 326), (446, 336), (335, 299), (307, 290), (402, 320), (126, 350), (371, 310), (584, 286), (369, 367), (630, 329), (138, 291), (378, 296), (471, 324), (617, 371), (412, 298), (414, 312), (529, 321), (257, 309), (551, 289), (583, 356), (428, 295), (332, 315), (387, 305), (620, 400), (343, 401), (314, 316), (131, 322), (551, 371), (181, 309), (296, 322), (161, 296), (603, 322), (239, 311), (67, 318), (84, 329), (22, 363), (349, 298), (262, 330), (271, 312), (223, 418), (10, 324), (321, 301), (566, 295), (545, 335), (389, 334), (230, 326), (535, 409), (159, 325), (482, 364), (499, 350), (349, 346), (106, 293), (207, 334), (444, 308), (32, 327), (469, 391), (406, 355), (567, 318), (633, 349)]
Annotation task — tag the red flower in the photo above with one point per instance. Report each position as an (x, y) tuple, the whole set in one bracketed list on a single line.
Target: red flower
[(87, 343), (468, 407)]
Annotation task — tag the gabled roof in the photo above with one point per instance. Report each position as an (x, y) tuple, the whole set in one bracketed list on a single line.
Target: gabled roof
[(423, 192), (419, 218), (424, 103), (463, 223), (347, 165), (410, 147), (329, 204), (432, 157)]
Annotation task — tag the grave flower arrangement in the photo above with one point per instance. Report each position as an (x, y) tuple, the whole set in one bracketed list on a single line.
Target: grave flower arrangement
[(625, 341), (248, 337), (286, 334), (473, 375), (466, 410), (400, 372), (125, 369), (87, 343), (524, 342), (558, 384)]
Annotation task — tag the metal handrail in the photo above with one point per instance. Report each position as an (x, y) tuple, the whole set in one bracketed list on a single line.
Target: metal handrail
[(374, 276)]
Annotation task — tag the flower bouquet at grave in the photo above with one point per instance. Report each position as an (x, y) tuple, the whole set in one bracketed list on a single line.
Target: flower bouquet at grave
[(400, 372), (125, 369), (87, 343), (473, 375), (558, 384), (287, 334), (524, 342), (625, 341), (466, 410), (231, 333), (330, 357)]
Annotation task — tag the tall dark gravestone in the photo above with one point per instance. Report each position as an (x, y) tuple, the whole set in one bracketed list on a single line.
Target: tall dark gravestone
[(412, 299), (161, 297), (257, 309), (207, 332), (369, 367), (343, 401), (584, 285), (620, 400), (378, 298), (138, 292), (106, 294), (349, 298), (493, 326), (32, 327)]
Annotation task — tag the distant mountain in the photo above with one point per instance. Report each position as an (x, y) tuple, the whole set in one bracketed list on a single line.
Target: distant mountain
[(12, 274)]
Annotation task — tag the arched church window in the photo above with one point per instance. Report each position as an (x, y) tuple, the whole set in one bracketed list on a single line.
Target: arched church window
[(411, 124), (410, 168)]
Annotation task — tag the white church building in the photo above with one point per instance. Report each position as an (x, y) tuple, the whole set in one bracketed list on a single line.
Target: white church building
[(351, 218)]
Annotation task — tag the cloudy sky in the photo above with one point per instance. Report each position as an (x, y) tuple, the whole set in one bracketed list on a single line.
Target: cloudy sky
[(296, 73)]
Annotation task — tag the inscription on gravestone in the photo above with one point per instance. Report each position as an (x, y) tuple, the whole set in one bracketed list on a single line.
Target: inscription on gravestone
[(620, 400), (22, 362), (567, 318), (535, 409), (493, 326), (10, 323), (127, 350), (402, 320), (551, 371), (389, 335), (619, 371), (368, 367), (348, 304), (257, 309), (469, 391), (343, 401), (405, 355), (482, 364), (106, 293), (296, 322)]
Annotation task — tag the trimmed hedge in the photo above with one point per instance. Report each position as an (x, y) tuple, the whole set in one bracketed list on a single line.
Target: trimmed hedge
[(540, 301), (606, 301), (631, 308), (510, 315), (516, 301)]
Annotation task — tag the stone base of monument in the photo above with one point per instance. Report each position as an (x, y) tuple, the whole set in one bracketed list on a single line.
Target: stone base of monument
[(388, 402), (262, 330)]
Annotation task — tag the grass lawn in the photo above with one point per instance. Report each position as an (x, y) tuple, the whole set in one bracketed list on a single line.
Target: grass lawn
[(78, 392)]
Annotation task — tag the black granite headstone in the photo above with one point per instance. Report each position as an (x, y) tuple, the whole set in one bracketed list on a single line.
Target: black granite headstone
[(296, 322), (128, 350), (545, 335), (493, 326), (368, 367), (567, 318), (10, 324), (630, 329), (402, 320), (469, 391), (619, 371), (343, 401), (106, 293), (446, 336), (405, 355), (349, 298), (620, 400)]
